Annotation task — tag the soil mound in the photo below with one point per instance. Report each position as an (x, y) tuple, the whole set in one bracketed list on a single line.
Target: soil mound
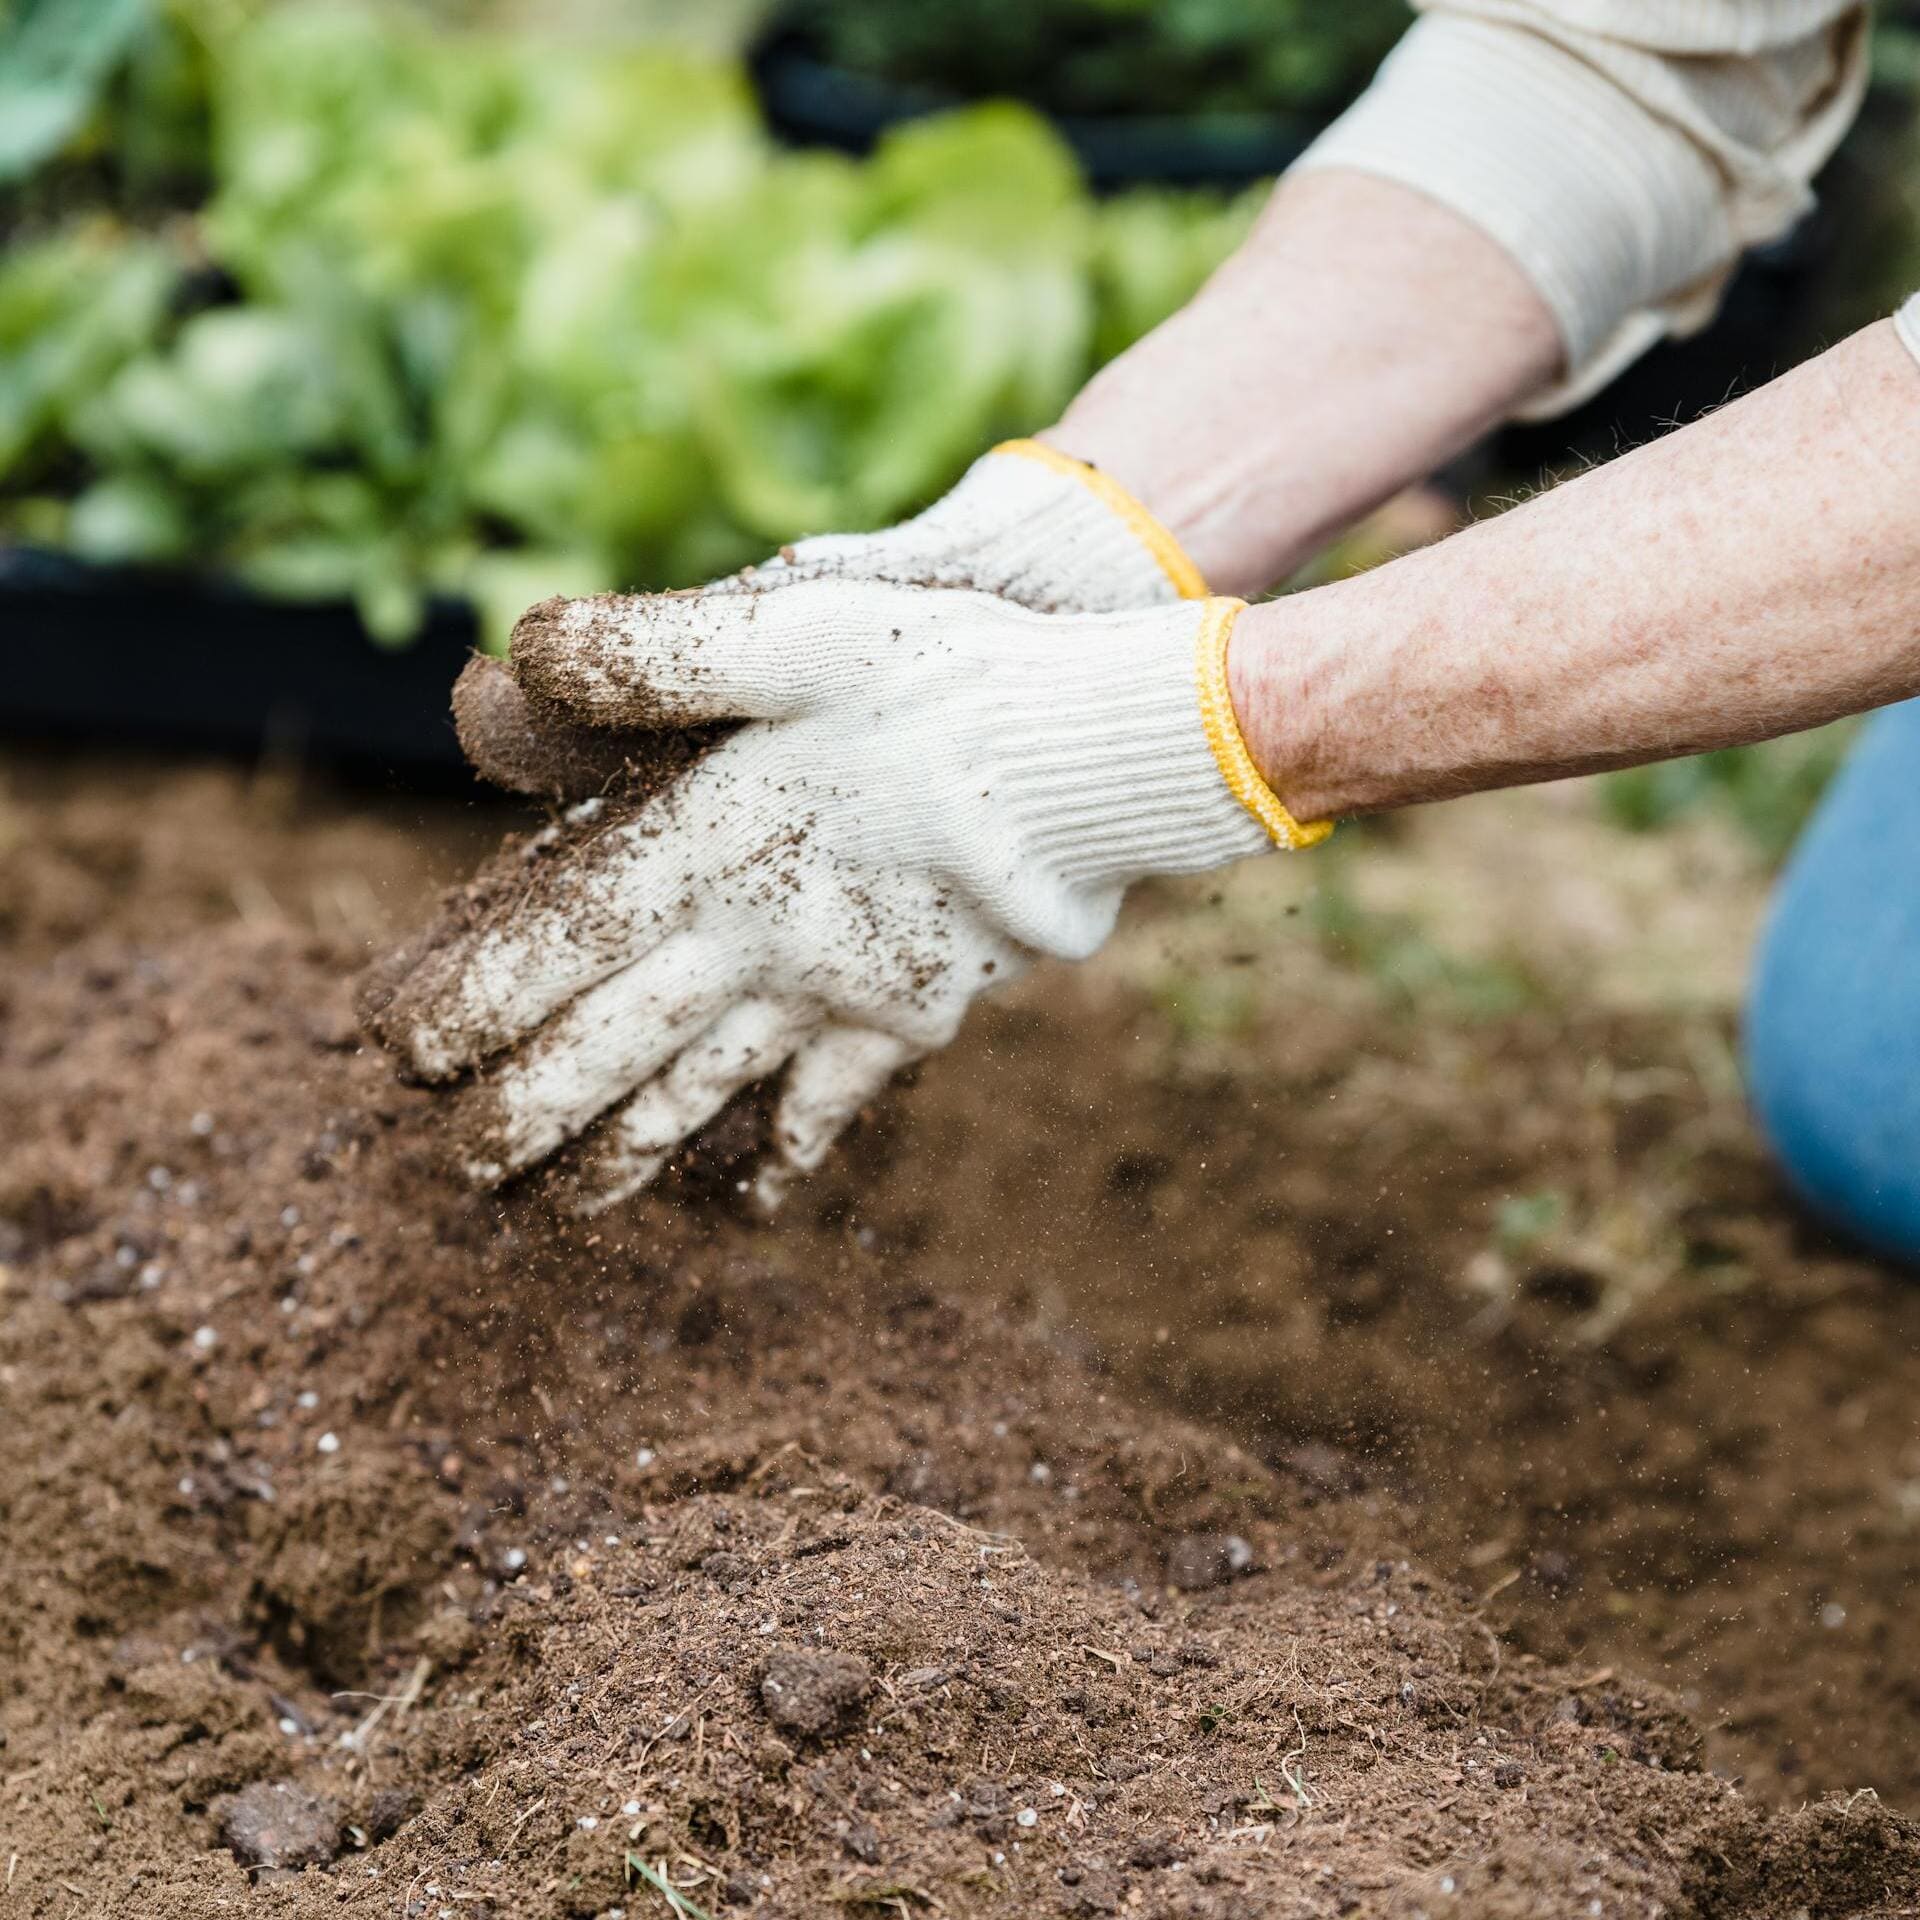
[(374, 1545)]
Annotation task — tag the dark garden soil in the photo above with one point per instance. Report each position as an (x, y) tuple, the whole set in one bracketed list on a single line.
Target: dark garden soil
[(1117, 1488)]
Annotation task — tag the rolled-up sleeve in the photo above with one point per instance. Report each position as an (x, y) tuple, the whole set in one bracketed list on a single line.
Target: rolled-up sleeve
[(1624, 152)]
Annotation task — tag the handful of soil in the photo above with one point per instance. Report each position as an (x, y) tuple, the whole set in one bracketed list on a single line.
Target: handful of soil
[(516, 746)]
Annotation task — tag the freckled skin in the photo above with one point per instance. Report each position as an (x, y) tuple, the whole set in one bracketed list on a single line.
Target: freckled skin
[(1747, 576), (1753, 574)]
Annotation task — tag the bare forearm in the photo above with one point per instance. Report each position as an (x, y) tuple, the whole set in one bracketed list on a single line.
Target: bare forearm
[(1361, 337), (1751, 575)]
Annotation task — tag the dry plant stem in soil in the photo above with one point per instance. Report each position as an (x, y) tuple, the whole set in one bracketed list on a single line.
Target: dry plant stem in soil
[(377, 1546)]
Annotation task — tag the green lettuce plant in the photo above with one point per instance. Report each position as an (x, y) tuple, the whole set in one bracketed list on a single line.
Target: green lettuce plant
[(497, 317)]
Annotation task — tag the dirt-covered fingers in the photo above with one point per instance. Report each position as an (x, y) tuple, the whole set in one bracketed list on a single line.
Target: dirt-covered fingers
[(750, 1041), (832, 1077), (592, 895), (651, 661), (608, 1041)]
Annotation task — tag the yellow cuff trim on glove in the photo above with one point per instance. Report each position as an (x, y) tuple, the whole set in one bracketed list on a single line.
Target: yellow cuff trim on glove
[(1223, 732), (1181, 571)]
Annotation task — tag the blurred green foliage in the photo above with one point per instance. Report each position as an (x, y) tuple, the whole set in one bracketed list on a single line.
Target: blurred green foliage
[(1411, 971), (1117, 56), (1766, 791), (501, 317), (54, 60)]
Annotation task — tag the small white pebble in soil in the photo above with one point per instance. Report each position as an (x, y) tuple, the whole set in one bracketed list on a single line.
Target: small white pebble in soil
[(1446, 1884), (1027, 1817), (999, 1429), (309, 1399), (200, 1125), (1057, 1790), (152, 1274), (328, 1443), (288, 1304), (587, 1822), (611, 1539), (188, 1193), (185, 1484), (288, 1726), (289, 1216), (205, 1339), (159, 1178), (514, 1559), (1040, 1474), (1832, 1615), (643, 1458), (630, 1808), (560, 1483)]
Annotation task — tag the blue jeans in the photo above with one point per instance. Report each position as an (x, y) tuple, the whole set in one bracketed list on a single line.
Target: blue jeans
[(1833, 1027)]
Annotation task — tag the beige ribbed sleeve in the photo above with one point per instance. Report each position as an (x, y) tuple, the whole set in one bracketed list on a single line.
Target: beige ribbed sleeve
[(1623, 151)]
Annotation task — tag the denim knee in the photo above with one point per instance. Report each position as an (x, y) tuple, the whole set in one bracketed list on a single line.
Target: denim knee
[(1833, 1022)]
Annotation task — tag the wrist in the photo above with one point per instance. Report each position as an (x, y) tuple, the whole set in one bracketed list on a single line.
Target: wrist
[(1116, 748), (1027, 523), (1293, 673), (1359, 339)]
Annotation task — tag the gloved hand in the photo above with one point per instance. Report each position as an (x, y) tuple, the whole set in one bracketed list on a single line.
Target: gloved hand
[(929, 789), (1026, 522)]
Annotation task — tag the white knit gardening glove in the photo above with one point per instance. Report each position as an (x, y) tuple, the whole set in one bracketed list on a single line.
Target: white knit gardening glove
[(1026, 522), (930, 788)]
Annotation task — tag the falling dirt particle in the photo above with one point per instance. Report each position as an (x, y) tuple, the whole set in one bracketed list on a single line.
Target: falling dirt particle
[(274, 1824), (1197, 1561), (814, 1694), (1509, 1773)]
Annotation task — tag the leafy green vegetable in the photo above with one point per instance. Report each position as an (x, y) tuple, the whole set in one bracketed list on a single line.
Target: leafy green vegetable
[(73, 308), (55, 57), (503, 317)]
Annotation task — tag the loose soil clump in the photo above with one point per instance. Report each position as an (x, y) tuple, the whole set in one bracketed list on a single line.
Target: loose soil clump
[(681, 1564)]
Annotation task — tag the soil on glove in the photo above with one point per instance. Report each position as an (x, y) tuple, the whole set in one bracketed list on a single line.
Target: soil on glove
[(372, 1545)]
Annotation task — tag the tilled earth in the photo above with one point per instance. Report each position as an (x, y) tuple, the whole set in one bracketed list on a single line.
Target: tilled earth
[(371, 1545)]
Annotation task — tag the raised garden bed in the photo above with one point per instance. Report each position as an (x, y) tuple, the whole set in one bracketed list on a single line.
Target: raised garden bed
[(101, 656)]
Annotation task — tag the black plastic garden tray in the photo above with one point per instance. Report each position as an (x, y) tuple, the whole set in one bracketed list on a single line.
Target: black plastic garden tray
[(810, 102), (156, 660)]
